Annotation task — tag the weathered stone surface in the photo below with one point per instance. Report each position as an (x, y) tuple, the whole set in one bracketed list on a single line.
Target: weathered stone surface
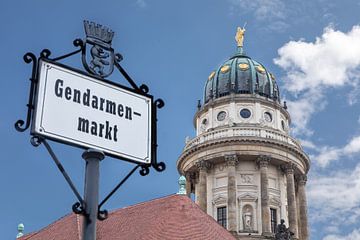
[(231, 161), (263, 162), (303, 207), (292, 211)]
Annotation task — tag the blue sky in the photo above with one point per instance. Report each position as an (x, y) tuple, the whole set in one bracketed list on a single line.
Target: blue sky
[(312, 47)]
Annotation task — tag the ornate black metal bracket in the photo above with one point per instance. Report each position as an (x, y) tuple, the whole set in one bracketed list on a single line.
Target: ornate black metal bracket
[(102, 63), (77, 207)]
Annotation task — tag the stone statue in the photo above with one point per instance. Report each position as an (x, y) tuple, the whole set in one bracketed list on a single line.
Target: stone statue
[(239, 37), (282, 232), (247, 218)]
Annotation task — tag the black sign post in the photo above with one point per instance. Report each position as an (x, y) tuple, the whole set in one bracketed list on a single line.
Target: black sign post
[(99, 60)]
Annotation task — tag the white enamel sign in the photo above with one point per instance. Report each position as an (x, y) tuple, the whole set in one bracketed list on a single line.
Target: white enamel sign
[(77, 109)]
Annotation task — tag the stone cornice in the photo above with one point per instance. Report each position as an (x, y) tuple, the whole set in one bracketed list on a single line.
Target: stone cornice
[(245, 141)]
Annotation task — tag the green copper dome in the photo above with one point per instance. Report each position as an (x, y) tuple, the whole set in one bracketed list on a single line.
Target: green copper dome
[(241, 75)]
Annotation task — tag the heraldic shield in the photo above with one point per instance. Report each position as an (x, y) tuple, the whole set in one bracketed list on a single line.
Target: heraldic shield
[(97, 54)]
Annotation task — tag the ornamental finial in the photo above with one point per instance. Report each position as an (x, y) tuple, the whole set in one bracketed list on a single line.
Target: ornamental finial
[(182, 184), (239, 37), (20, 230)]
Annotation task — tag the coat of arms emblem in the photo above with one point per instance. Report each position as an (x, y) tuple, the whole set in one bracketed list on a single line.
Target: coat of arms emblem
[(102, 57)]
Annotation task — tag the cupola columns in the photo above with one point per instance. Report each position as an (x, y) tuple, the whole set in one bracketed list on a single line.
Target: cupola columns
[(231, 161), (201, 199), (290, 185), (263, 162), (304, 231)]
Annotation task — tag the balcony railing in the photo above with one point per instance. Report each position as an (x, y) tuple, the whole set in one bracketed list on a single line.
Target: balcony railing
[(242, 132)]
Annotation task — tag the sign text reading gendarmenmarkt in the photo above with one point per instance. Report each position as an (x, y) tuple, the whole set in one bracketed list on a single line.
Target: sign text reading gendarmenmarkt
[(75, 108)]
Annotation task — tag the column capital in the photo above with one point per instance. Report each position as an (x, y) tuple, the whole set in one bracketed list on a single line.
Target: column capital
[(231, 160), (263, 160), (288, 168), (301, 179), (203, 165)]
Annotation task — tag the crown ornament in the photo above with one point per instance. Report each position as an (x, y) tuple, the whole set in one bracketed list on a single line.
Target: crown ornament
[(98, 32)]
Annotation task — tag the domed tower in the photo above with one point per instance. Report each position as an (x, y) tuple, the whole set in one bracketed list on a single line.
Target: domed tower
[(244, 168)]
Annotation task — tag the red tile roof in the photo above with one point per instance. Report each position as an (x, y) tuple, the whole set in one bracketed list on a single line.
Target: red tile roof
[(174, 217)]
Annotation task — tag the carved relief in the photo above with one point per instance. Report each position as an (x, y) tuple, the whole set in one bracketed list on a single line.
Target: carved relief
[(247, 178)]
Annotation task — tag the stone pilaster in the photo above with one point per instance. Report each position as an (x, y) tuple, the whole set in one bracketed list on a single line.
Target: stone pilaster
[(291, 199), (231, 161), (202, 166), (301, 180), (263, 162)]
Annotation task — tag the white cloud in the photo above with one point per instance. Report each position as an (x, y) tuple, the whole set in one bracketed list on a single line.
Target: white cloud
[(280, 15), (329, 154), (355, 235), (271, 11), (308, 144), (302, 109), (334, 199), (332, 61)]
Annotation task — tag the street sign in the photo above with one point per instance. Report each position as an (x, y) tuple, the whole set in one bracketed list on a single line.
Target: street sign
[(82, 110)]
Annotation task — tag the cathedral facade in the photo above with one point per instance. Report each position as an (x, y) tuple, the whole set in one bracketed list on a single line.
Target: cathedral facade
[(243, 167)]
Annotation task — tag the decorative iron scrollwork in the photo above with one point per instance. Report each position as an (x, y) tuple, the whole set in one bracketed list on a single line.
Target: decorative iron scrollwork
[(102, 215), (35, 141), (144, 170), (77, 208), (102, 63), (29, 58)]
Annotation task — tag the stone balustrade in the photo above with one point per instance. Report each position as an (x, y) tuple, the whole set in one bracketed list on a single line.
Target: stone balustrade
[(229, 132)]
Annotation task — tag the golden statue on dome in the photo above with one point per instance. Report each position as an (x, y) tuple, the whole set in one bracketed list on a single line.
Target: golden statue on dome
[(239, 37)]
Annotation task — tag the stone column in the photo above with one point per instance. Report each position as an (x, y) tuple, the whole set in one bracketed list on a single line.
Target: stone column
[(263, 162), (188, 183), (293, 224), (303, 207), (202, 166), (231, 161)]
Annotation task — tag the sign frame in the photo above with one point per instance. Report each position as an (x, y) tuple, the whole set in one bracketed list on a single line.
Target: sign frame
[(98, 80)]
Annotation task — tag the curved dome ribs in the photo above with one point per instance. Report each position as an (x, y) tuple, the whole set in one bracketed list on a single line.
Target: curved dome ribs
[(241, 75)]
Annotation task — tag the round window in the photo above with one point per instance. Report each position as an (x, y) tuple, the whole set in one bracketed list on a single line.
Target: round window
[(245, 113), (268, 117), (221, 116)]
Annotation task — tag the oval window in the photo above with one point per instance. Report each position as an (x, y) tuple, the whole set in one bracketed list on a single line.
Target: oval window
[(221, 116), (245, 113), (268, 117)]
